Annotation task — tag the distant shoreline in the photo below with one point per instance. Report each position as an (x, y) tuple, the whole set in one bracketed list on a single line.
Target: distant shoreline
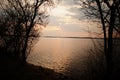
[(73, 37)]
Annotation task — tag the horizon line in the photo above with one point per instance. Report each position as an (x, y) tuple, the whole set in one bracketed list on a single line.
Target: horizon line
[(71, 37)]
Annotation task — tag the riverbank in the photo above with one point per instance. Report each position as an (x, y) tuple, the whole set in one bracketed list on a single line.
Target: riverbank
[(12, 70)]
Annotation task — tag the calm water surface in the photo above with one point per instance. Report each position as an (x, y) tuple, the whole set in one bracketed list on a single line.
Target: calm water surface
[(64, 55)]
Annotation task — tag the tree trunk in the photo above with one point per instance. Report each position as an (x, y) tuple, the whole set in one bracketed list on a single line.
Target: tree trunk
[(109, 51), (28, 32), (110, 43), (24, 51), (103, 25)]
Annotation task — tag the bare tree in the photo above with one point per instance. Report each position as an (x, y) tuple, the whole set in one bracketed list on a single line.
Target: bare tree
[(109, 13), (23, 19)]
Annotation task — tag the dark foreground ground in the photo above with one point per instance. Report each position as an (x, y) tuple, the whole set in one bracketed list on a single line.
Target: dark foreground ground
[(12, 70)]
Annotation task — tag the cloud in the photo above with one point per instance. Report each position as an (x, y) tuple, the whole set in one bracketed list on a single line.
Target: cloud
[(72, 9), (67, 3), (68, 19), (78, 13)]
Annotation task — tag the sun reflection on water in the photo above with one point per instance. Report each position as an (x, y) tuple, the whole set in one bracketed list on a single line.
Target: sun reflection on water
[(57, 53)]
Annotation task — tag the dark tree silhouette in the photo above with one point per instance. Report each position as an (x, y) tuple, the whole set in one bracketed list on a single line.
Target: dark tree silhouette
[(109, 13), (20, 24)]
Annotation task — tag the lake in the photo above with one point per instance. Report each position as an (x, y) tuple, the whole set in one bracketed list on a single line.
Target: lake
[(64, 55)]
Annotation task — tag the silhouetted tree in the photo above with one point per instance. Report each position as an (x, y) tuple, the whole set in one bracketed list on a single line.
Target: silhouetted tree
[(20, 24), (109, 13)]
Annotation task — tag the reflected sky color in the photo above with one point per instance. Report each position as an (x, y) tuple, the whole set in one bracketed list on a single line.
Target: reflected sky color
[(60, 54), (67, 19)]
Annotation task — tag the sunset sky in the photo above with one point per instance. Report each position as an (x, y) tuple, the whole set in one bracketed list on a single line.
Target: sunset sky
[(68, 20)]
